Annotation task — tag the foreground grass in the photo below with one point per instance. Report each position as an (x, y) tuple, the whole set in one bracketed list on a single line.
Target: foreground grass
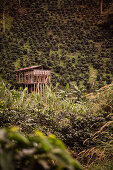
[(83, 122)]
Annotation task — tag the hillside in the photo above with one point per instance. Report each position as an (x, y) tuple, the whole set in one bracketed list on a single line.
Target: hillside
[(69, 37)]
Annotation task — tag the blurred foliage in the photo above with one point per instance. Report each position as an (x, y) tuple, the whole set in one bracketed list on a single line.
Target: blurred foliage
[(35, 151)]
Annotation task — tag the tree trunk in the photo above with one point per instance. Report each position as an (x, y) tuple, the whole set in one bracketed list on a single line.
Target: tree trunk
[(101, 7), (19, 2), (3, 21)]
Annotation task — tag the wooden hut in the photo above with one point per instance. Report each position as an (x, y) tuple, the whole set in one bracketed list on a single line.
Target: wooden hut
[(34, 78)]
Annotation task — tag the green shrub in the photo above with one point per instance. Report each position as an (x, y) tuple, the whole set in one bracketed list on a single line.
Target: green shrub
[(36, 151)]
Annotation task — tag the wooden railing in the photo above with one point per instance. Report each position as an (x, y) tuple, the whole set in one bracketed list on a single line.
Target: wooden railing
[(36, 76), (46, 72)]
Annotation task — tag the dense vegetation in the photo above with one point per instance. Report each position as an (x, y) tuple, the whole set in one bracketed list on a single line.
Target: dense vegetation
[(33, 152), (74, 39), (70, 37), (84, 124)]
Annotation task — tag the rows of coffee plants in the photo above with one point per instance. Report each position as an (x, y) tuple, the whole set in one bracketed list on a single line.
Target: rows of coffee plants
[(65, 38)]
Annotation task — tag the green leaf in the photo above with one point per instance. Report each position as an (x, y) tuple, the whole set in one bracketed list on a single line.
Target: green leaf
[(56, 142), (43, 140), (18, 137), (67, 87)]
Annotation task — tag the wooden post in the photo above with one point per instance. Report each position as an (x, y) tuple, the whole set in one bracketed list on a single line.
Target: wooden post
[(101, 7), (38, 87), (33, 77), (22, 77), (28, 78), (44, 78), (36, 78), (19, 77), (16, 77), (27, 87), (30, 88), (19, 2), (41, 89), (40, 79), (34, 87), (50, 79)]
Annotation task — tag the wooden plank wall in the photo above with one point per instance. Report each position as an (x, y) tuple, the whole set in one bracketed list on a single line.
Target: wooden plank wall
[(35, 80)]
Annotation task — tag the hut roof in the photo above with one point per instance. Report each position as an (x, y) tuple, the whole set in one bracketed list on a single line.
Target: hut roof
[(28, 68)]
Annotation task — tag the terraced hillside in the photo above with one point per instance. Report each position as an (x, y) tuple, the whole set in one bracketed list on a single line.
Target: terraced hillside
[(70, 37)]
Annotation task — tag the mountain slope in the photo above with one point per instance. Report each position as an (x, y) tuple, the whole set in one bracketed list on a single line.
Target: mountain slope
[(63, 35)]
